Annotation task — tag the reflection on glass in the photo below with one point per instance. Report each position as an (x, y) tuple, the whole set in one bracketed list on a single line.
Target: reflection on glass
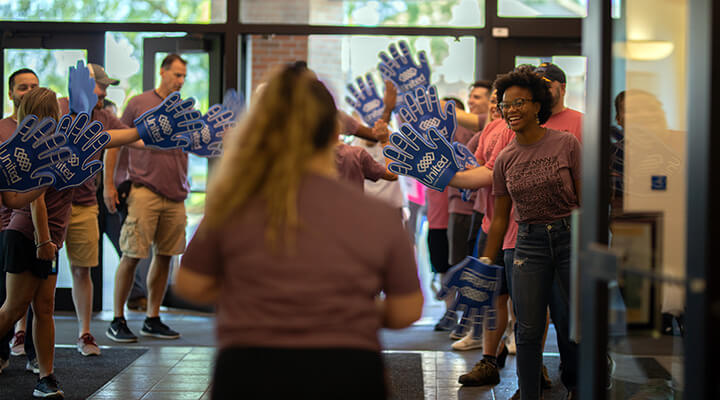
[(542, 8), (648, 200), (50, 65), (575, 68), (169, 11), (423, 13)]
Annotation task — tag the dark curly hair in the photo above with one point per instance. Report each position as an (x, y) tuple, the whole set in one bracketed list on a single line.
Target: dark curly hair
[(527, 79)]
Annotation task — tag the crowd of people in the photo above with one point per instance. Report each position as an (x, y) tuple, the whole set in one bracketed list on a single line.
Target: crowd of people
[(295, 239)]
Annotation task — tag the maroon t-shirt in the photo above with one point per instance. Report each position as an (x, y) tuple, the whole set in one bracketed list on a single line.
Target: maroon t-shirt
[(456, 205), (59, 210), (85, 195), (162, 171), (354, 165), (540, 177), (348, 248), (7, 128)]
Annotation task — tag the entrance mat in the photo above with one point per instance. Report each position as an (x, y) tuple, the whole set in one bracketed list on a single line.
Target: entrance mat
[(405, 375), (79, 376)]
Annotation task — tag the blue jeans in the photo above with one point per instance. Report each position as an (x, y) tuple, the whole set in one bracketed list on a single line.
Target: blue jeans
[(541, 278)]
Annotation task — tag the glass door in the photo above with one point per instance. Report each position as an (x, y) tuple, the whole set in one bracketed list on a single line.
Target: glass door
[(50, 56), (632, 267)]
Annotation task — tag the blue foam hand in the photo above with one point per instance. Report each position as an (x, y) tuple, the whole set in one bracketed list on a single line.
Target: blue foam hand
[(169, 124), (81, 89), (26, 156), (431, 161), (234, 102), (422, 111), (207, 142), (465, 157), (402, 70), (84, 139), (476, 287), (366, 101)]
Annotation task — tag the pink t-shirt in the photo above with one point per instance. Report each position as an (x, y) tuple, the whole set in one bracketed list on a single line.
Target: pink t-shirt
[(486, 143), (349, 248), (456, 205), (59, 210), (437, 208), (496, 145), (567, 120), (7, 128), (162, 171), (540, 177), (354, 165), (85, 195)]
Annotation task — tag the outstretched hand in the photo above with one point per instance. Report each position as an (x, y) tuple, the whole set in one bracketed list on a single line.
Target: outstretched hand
[(422, 110), (169, 124), (85, 139), (366, 100), (81, 89), (402, 70)]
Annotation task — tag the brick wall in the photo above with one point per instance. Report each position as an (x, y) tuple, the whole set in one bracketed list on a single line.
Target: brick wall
[(269, 51)]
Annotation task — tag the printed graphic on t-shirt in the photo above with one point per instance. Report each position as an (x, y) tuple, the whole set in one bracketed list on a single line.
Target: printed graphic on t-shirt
[(536, 188)]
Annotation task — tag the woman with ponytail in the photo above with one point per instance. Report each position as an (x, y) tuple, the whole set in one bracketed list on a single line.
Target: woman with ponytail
[(296, 259)]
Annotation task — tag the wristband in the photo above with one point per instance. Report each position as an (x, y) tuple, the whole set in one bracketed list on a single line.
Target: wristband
[(485, 260), (41, 244)]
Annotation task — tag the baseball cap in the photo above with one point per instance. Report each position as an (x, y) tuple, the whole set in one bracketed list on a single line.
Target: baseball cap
[(551, 72), (100, 75)]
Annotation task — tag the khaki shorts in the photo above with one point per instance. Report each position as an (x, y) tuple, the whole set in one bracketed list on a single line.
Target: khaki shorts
[(152, 220), (81, 242)]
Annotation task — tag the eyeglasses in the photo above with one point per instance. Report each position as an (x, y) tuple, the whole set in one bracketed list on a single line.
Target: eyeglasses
[(517, 103)]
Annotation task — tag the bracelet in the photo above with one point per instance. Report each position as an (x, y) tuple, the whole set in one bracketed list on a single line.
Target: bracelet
[(41, 244), (485, 260)]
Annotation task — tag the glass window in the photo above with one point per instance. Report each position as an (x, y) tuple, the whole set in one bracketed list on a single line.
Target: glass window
[(169, 11), (339, 59), (542, 8), (423, 13), (575, 68), (50, 65)]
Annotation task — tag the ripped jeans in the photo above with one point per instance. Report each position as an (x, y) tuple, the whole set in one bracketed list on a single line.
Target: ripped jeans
[(541, 277)]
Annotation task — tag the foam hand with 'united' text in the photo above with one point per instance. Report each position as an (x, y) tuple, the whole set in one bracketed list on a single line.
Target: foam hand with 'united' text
[(430, 160), (84, 139), (475, 287), (26, 156), (207, 142), (402, 70), (422, 110), (467, 160), (366, 101), (169, 125)]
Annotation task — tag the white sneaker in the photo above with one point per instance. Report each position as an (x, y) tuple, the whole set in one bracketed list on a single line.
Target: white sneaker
[(510, 343), (467, 343)]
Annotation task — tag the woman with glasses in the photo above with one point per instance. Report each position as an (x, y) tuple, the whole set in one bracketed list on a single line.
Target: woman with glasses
[(295, 259), (538, 176)]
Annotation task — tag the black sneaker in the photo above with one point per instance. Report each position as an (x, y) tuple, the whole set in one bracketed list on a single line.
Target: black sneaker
[(118, 331), (155, 328), (47, 387), (483, 373)]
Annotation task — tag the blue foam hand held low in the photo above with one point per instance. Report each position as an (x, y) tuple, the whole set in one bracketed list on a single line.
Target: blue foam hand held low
[(366, 101), (207, 142), (431, 161), (26, 156), (402, 70), (422, 110), (476, 286), (467, 160), (81, 89), (169, 124), (84, 139)]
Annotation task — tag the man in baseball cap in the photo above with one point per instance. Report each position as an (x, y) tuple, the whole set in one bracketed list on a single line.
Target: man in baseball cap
[(562, 118), (102, 81)]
